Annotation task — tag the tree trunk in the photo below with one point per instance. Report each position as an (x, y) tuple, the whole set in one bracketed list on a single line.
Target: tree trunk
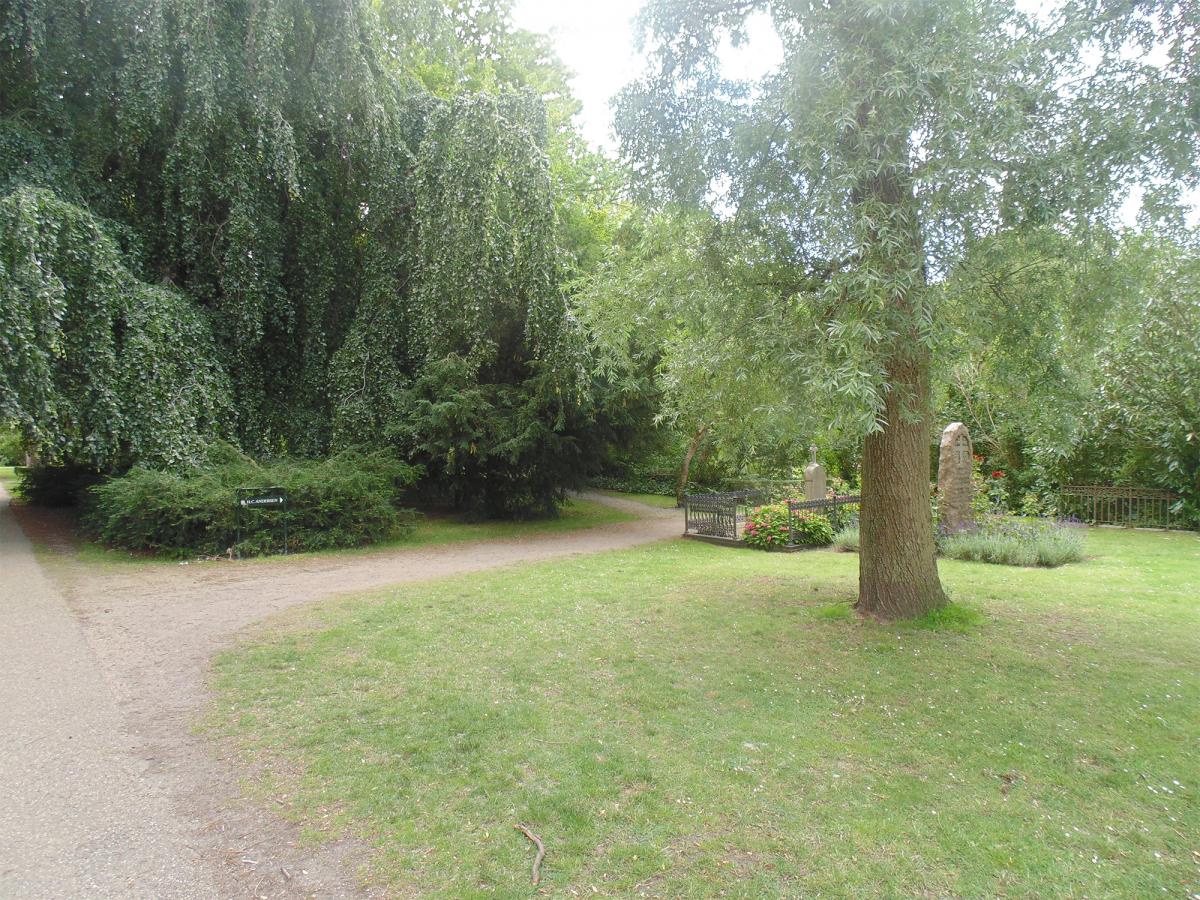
[(897, 565), (697, 440)]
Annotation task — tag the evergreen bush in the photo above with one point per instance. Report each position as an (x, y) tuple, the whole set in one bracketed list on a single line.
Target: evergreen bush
[(349, 500)]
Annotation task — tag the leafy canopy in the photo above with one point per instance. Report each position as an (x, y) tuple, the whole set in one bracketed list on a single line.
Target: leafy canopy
[(329, 197)]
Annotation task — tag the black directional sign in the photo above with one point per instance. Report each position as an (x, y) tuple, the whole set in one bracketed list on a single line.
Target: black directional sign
[(264, 499)]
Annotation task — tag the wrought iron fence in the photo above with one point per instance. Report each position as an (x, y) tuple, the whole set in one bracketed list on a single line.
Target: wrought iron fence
[(719, 514), (1131, 507), (841, 510), (774, 490)]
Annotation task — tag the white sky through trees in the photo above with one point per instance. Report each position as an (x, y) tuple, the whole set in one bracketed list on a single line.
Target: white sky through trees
[(596, 39)]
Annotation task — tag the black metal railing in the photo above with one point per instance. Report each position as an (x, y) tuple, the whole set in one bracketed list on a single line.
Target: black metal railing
[(719, 514), (1131, 507)]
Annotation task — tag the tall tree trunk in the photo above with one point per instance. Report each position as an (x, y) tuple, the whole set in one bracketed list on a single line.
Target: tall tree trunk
[(685, 471), (897, 565)]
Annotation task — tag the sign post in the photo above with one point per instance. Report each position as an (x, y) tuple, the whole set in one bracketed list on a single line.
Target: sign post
[(264, 500)]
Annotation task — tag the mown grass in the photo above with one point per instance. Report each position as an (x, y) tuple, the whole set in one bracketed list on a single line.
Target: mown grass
[(683, 721), (575, 514), (658, 500), (8, 477)]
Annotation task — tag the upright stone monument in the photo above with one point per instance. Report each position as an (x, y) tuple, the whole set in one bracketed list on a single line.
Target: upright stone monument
[(814, 478), (955, 489)]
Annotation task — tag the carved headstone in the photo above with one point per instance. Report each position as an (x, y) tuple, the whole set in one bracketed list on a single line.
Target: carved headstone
[(955, 489), (814, 478)]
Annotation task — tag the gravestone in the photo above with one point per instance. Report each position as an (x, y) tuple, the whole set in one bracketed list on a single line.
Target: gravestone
[(814, 478), (955, 488)]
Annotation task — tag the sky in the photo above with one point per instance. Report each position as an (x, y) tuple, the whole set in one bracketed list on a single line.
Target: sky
[(596, 40)]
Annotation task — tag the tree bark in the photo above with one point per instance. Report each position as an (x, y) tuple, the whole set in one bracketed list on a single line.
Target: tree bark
[(897, 565), (697, 440)]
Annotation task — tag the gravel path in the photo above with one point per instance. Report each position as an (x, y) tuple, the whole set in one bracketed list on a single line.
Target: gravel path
[(111, 792)]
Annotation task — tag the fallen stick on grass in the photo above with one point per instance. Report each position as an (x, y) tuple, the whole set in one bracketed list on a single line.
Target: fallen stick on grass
[(541, 854)]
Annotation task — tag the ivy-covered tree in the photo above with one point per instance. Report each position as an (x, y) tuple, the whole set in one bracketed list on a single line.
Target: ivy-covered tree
[(892, 137)]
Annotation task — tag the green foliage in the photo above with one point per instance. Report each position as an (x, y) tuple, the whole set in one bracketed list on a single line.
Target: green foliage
[(1074, 362), (327, 198), (767, 527), (11, 450), (478, 385), (349, 500), (494, 449), (97, 368), (55, 486), (847, 539), (664, 299), (1147, 410), (651, 468), (812, 529), (891, 140), (1016, 542), (639, 480)]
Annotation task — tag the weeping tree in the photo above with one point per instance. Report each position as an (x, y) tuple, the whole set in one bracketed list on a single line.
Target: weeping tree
[(338, 198), (96, 367), (892, 137), (477, 377)]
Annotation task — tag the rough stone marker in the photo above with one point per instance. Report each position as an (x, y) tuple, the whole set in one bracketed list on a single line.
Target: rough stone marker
[(955, 488)]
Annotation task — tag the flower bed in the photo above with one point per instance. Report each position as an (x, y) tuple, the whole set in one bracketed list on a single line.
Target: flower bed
[(767, 528)]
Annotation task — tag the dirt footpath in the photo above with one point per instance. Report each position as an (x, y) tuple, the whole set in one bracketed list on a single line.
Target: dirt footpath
[(102, 680)]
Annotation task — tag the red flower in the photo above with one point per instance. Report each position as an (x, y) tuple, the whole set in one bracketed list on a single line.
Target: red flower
[(999, 473)]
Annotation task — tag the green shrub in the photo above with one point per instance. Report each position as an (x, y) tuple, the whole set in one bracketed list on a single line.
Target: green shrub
[(10, 446), (1016, 542), (637, 480), (348, 500), (812, 529), (767, 527), (847, 539)]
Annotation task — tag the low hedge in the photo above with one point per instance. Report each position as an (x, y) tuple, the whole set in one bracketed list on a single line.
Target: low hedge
[(1016, 542), (349, 500), (638, 482)]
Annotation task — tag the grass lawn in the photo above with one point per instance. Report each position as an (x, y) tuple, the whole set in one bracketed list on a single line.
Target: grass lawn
[(574, 515), (649, 499), (7, 477), (685, 721)]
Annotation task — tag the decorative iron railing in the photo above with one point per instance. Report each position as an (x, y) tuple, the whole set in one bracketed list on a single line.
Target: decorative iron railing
[(719, 514), (841, 510), (1131, 507)]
